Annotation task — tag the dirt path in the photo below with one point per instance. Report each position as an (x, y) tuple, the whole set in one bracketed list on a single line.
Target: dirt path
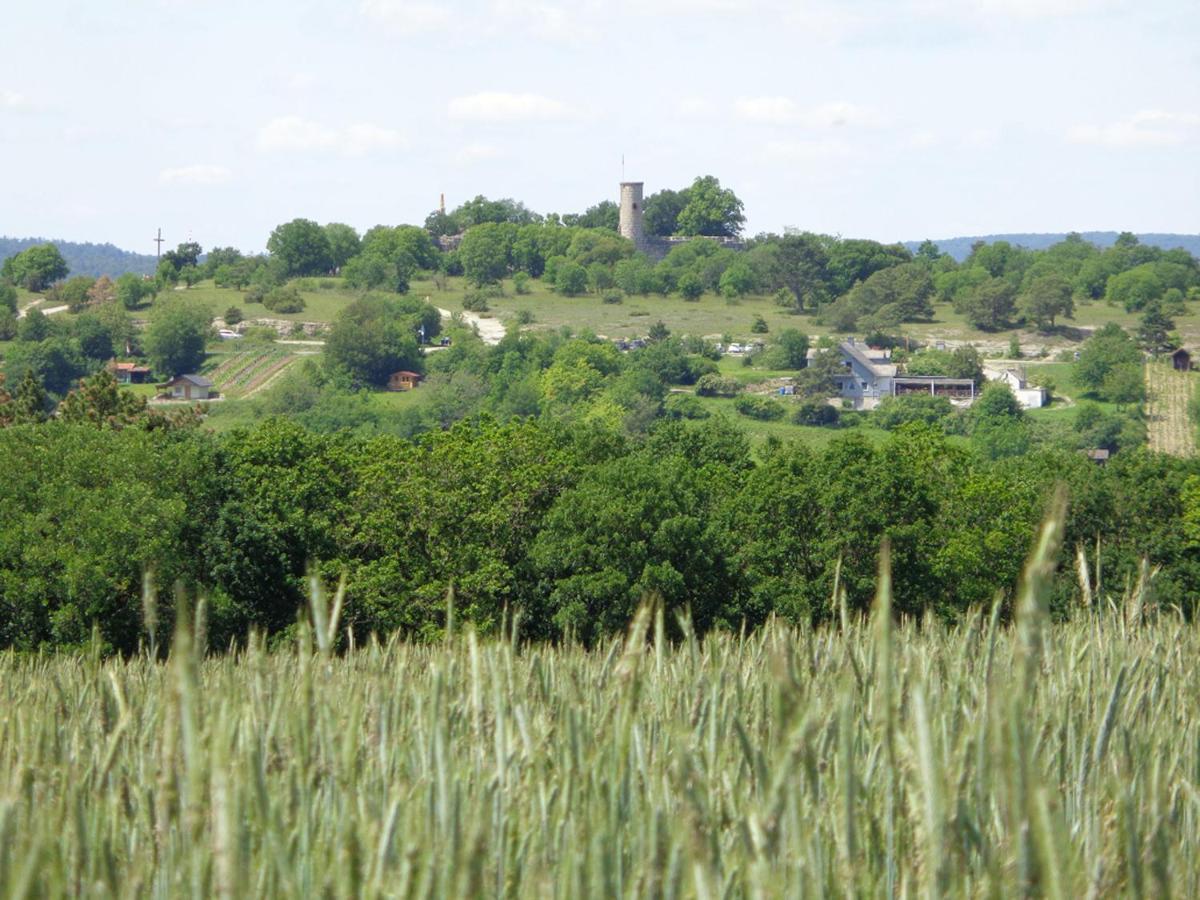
[(1167, 395), (46, 310), (491, 330)]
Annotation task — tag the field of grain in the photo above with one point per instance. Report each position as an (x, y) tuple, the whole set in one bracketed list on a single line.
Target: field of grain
[(1167, 394), (872, 759)]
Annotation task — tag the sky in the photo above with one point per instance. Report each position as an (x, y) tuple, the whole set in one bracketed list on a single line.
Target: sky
[(887, 119)]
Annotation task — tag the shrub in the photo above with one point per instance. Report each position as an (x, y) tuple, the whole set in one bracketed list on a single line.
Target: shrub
[(893, 412), (816, 412), (613, 297), (521, 283), (759, 407), (284, 300), (232, 316), (690, 286), (759, 326), (475, 301), (524, 317), (714, 385), (683, 406)]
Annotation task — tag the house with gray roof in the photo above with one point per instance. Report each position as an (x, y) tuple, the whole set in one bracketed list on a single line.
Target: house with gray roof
[(188, 387)]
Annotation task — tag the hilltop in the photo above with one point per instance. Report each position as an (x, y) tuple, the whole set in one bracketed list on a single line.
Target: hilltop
[(86, 259), (960, 247)]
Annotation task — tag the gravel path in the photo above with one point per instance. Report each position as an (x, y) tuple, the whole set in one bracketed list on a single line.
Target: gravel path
[(491, 330)]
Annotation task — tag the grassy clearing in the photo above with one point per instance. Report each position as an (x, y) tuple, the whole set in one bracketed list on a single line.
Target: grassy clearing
[(714, 316), (966, 760), (320, 305)]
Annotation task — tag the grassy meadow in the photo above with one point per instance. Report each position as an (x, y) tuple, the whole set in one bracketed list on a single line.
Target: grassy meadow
[(973, 759)]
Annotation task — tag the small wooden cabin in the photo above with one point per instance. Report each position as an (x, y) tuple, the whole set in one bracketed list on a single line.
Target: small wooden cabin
[(1181, 360), (404, 381)]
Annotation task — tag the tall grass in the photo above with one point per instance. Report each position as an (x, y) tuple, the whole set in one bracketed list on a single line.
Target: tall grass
[(873, 759)]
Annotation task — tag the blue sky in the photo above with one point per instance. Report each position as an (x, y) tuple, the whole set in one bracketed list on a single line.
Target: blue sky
[(892, 120)]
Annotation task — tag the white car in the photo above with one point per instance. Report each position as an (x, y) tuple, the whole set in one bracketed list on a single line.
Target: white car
[(226, 335)]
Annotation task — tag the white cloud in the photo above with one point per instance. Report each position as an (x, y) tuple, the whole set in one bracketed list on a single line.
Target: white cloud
[(1006, 9), (12, 100), (693, 107), (408, 17), (199, 174), (806, 151), (922, 140), (772, 110), (980, 138), (1146, 128), (497, 106), (474, 153), (784, 111), (298, 135), (544, 20)]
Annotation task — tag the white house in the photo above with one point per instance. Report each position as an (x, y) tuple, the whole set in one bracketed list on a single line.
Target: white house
[(1028, 395), (868, 375)]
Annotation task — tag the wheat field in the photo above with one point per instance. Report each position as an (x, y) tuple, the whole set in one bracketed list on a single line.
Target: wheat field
[(873, 759)]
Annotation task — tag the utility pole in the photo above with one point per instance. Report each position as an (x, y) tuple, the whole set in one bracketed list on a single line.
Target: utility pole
[(158, 250)]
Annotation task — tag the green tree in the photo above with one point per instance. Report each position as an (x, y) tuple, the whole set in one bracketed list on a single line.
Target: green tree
[(8, 297), (605, 214), (55, 363), (989, 306), (301, 247), (1046, 298), (484, 252), (344, 243), (737, 280), (711, 210), (133, 289), (376, 336), (186, 254), (690, 286), (218, 257), (34, 327), (30, 404), (99, 401), (1135, 288), (793, 345), (798, 264), (1154, 330), (176, 337), (570, 278), (1108, 348), (1124, 384), (852, 261), (660, 212), (35, 268)]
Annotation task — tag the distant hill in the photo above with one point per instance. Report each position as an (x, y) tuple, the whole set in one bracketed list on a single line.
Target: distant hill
[(86, 259), (960, 247)]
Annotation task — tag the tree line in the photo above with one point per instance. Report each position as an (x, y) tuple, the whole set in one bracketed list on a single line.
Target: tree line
[(572, 523)]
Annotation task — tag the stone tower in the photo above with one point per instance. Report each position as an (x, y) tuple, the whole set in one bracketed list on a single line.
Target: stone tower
[(631, 214)]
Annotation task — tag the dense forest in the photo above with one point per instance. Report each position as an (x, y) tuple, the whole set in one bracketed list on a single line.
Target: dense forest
[(960, 247), (87, 259)]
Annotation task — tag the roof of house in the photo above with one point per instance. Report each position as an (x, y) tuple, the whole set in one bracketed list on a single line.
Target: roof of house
[(406, 372), (128, 367), (197, 380), (933, 379), (879, 370), (1181, 350)]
